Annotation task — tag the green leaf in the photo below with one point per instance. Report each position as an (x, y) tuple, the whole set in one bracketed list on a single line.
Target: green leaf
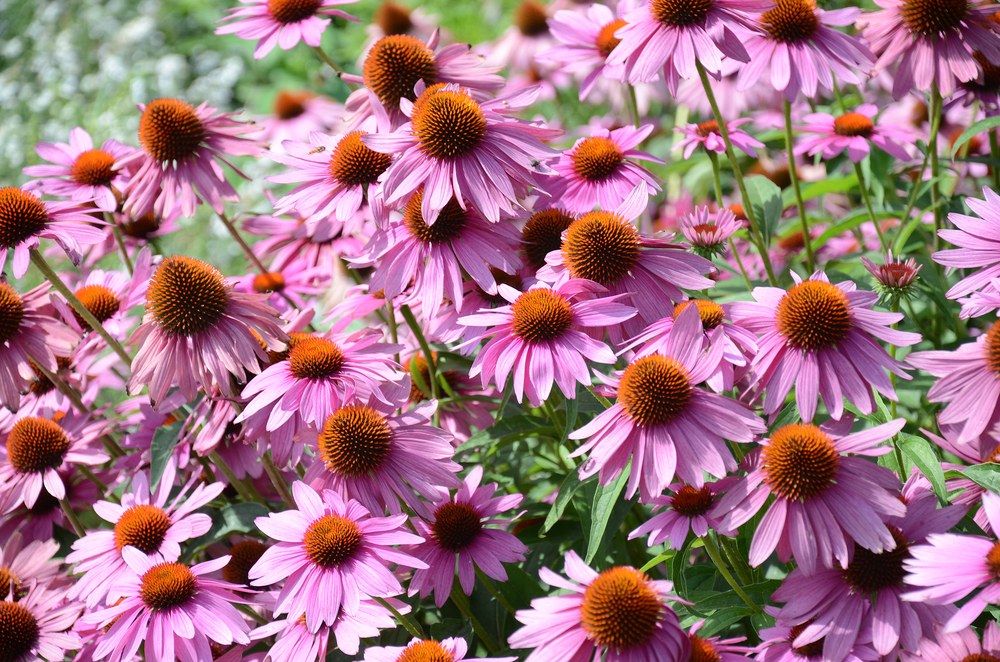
[(160, 450), (812, 190), (515, 426), (567, 489), (922, 454), (231, 518), (981, 126), (606, 507), (986, 476), (766, 203)]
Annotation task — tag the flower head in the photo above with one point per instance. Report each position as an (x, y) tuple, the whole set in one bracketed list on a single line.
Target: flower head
[(37, 626), (585, 38), (686, 509), (282, 23), (331, 553), (707, 232), (894, 278), (810, 474), (619, 612), (464, 531), (178, 165), (854, 131), (708, 135), (446, 650)]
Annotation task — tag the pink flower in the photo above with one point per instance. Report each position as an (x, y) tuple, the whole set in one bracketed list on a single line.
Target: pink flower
[(545, 336), (331, 553), (395, 64), (950, 566), (282, 23), (144, 521), (932, 44), (967, 383), (37, 626), (178, 165), (803, 50), (716, 649), (687, 509), (430, 260), (472, 408), (606, 247), (834, 603), (37, 523), (674, 36), (597, 170), (197, 331), (80, 172), (297, 114), (35, 448), (824, 499), (662, 422), (338, 175), (456, 147), (620, 612), (296, 642), (24, 565), (586, 37), (709, 231), (382, 459), (459, 533), (29, 332), (779, 645), (318, 244), (288, 286), (169, 609), (707, 135), (852, 131), (961, 645), (820, 338), (978, 241), (25, 218), (981, 450), (449, 650), (740, 344)]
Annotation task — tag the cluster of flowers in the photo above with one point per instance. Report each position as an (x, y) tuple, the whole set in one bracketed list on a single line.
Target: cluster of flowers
[(277, 466)]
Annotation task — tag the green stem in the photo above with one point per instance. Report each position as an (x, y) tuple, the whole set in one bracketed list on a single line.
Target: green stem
[(793, 174), (912, 202), (935, 111), (244, 489), (57, 282), (411, 321), (461, 601), (491, 587), (995, 158), (755, 234), (74, 521), (897, 451), (328, 61), (244, 246), (866, 196), (120, 240), (410, 624), (92, 478), (633, 105), (739, 564), (274, 473), (390, 314), (716, 556), (247, 610)]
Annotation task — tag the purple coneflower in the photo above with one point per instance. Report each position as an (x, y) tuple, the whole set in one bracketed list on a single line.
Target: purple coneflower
[(663, 422), (544, 336), (600, 171), (951, 566), (288, 285), (170, 609), (36, 448), (197, 331), (25, 218), (142, 520), (431, 260), (322, 374), (462, 532), (834, 603), (446, 650), (29, 332), (820, 338), (779, 645), (295, 114), (708, 135), (331, 553), (585, 40), (963, 645), (674, 36), (37, 626), (804, 50), (978, 241), (455, 147), (619, 612), (178, 165), (854, 131), (367, 453), (932, 42), (714, 649), (812, 480), (80, 172), (24, 565), (894, 278), (605, 247), (282, 23), (685, 509), (708, 231), (109, 296)]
